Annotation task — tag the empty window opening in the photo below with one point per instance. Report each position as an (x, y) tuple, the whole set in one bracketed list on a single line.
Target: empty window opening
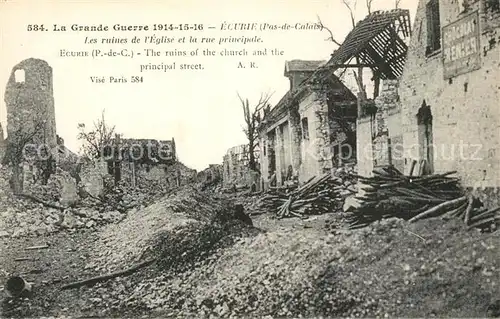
[(305, 128), (19, 76), (433, 27), (425, 139)]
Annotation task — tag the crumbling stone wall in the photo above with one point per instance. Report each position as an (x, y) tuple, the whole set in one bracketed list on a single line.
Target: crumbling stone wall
[(92, 175), (465, 109), (387, 144), (235, 168), (30, 102), (364, 141), (316, 149), (212, 174)]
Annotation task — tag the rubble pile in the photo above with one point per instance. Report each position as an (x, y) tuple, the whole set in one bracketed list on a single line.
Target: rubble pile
[(317, 196), (388, 269), (180, 219), (389, 193), (258, 275), (28, 219), (61, 187), (44, 209), (187, 247)]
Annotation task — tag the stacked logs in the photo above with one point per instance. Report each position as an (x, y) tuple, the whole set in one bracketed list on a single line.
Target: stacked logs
[(317, 196), (389, 193)]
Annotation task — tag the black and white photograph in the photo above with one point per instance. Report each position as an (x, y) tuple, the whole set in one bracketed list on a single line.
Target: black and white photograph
[(250, 159)]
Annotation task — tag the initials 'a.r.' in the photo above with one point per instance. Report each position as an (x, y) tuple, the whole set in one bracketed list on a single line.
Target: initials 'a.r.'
[(252, 65)]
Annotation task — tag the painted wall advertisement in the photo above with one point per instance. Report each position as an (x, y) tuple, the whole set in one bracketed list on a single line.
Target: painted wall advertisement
[(461, 48)]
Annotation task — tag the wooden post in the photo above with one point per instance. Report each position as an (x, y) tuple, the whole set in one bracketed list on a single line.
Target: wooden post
[(389, 150)]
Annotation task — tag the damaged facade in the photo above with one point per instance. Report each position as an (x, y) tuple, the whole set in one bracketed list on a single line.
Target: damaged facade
[(235, 168), (301, 136), (450, 91), (441, 112), (129, 159), (377, 43)]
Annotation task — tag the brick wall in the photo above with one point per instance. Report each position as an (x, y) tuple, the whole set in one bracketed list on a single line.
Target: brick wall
[(465, 109)]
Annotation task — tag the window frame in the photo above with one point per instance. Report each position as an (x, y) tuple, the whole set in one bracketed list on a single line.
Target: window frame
[(305, 129), (434, 28)]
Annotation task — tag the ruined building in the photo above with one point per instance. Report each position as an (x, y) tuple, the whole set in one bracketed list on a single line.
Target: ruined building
[(212, 174), (30, 102), (450, 92), (303, 135), (236, 171), (378, 44), (149, 159), (440, 111)]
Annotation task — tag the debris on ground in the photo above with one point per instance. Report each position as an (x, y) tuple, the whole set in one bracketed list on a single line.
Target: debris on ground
[(194, 253), (319, 195), (184, 214), (388, 269), (389, 193), (41, 210)]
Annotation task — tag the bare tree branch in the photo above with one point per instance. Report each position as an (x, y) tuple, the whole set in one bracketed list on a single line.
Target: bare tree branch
[(251, 116), (352, 10), (397, 3), (369, 6), (331, 38), (94, 142)]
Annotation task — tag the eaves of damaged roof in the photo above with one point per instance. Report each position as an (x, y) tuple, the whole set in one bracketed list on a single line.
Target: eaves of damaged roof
[(376, 41)]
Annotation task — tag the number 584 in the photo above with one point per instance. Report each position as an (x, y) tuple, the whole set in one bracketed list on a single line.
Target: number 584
[(36, 27), (136, 79)]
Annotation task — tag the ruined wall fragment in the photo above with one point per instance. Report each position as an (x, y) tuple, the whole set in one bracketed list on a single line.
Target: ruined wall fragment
[(30, 101)]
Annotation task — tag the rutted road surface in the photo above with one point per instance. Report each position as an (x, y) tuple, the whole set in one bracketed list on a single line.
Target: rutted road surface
[(288, 268)]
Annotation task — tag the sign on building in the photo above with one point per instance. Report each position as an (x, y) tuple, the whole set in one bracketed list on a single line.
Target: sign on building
[(461, 48)]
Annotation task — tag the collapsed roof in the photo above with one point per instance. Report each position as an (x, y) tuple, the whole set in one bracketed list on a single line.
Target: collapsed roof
[(376, 42)]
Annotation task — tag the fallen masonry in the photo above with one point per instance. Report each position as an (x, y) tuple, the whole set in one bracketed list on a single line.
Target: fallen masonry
[(187, 255)]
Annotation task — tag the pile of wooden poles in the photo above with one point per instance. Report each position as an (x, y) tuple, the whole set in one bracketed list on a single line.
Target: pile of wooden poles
[(317, 196), (389, 193)]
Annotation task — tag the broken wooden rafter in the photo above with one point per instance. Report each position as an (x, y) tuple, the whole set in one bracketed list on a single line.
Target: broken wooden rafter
[(440, 207), (391, 194), (356, 65), (41, 201), (102, 278), (37, 247)]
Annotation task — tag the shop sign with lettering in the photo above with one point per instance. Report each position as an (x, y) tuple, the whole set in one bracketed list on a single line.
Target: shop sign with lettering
[(461, 48)]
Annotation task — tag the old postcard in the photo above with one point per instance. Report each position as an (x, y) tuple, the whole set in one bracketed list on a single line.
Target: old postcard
[(249, 159)]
